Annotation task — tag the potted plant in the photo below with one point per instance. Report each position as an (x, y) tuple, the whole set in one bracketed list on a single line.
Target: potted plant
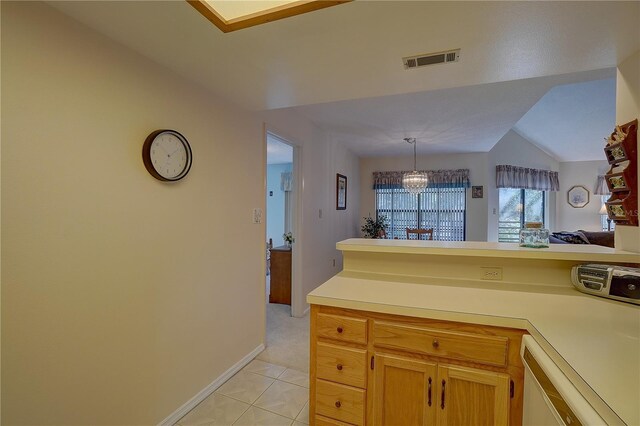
[(288, 238), (375, 228)]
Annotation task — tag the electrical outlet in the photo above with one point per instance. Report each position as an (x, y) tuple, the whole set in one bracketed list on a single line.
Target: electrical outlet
[(334, 262), (494, 274)]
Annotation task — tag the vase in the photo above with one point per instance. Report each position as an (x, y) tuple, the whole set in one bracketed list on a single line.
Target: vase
[(533, 235)]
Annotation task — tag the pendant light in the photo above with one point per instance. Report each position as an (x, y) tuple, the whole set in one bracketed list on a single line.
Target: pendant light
[(414, 182)]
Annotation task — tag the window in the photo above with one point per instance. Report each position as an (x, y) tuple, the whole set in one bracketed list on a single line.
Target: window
[(443, 209), (518, 206), (607, 224)]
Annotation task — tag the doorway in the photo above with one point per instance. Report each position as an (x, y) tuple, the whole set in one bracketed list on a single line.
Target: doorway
[(280, 211)]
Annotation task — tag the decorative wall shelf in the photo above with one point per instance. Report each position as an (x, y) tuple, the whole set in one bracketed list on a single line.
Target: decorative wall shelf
[(622, 177)]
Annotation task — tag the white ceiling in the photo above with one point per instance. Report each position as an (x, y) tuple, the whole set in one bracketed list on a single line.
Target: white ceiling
[(466, 119), (342, 66), (571, 121), (278, 152)]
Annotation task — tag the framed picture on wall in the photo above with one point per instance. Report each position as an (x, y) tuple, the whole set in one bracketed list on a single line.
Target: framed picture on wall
[(477, 191), (578, 196), (341, 192)]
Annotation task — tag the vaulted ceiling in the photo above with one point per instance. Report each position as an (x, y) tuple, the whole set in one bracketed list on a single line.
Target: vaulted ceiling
[(342, 66)]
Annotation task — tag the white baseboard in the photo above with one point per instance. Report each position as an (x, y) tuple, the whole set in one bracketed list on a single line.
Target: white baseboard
[(208, 390)]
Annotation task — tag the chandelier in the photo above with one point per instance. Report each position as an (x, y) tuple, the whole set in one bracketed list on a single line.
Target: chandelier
[(414, 182)]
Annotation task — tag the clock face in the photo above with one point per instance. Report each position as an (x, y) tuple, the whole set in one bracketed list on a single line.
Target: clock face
[(167, 155)]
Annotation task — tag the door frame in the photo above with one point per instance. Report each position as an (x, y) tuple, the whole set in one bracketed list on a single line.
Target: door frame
[(298, 306)]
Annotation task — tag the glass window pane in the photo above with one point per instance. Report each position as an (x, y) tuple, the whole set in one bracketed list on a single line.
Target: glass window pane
[(533, 205), (442, 209), (510, 211)]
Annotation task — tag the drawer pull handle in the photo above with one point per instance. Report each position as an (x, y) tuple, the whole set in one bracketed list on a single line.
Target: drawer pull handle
[(339, 367), (435, 343), (339, 329), (429, 392), (442, 398), (338, 404)]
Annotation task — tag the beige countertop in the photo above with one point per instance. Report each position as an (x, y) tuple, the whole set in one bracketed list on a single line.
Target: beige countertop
[(594, 341), (577, 252)]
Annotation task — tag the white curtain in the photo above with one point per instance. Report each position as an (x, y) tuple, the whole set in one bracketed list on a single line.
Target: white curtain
[(286, 181), (286, 184), (525, 178), (601, 186)]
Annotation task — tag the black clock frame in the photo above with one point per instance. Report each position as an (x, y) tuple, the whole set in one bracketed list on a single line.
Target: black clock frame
[(146, 155)]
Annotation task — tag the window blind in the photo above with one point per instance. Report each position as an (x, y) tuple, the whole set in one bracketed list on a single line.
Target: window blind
[(443, 209)]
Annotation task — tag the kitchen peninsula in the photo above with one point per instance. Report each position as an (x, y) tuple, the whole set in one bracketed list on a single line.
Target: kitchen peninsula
[(419, 310)]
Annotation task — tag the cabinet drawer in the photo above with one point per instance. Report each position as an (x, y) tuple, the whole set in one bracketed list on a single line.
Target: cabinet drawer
[(342, 328), (341, 364), (490, 350), (340, 402), (326, 421)]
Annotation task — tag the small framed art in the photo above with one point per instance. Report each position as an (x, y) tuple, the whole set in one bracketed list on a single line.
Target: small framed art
[(477, 191), (578, 196), (341, 192)]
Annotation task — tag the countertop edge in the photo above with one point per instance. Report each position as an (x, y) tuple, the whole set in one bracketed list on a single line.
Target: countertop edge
[(481, 319), (480, 249)]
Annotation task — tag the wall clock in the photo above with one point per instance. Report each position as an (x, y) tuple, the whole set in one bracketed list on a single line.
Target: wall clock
[(167, 155)]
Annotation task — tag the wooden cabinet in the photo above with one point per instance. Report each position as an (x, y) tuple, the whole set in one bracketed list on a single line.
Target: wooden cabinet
[(378, 369), (404, 391), (417, 392), (280, 283), (469, 396)]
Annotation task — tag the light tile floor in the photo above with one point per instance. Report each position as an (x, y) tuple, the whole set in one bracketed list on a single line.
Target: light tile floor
[(259, 394)]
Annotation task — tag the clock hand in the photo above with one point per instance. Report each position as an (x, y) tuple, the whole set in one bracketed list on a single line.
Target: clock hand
[(165, 151)]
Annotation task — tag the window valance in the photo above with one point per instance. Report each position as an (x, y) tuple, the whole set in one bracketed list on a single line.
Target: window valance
[(437, 179), (524, 178)]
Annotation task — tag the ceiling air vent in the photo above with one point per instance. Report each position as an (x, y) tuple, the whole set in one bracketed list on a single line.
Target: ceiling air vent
[(431, 59)]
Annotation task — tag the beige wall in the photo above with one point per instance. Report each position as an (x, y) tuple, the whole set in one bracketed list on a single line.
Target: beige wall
[(583, 173), (123, 297), (515, 150), (482, 216), (627, 109), (476, 222), (321, 159)]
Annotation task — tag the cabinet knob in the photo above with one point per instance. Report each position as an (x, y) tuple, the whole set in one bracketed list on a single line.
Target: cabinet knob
[(435, 343), (338, 404), (339, 329), (339, 367)]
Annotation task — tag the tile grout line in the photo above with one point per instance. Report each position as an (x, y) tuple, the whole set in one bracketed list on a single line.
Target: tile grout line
[(252, 404), (282, 415)]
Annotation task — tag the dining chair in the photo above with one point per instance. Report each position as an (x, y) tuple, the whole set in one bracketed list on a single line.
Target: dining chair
[(417, 234)]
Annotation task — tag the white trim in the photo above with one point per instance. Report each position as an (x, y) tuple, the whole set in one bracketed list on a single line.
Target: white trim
[(208, 390)]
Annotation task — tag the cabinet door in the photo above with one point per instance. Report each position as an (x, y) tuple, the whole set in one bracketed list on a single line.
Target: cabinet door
[(404, 391), (467, 396)]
